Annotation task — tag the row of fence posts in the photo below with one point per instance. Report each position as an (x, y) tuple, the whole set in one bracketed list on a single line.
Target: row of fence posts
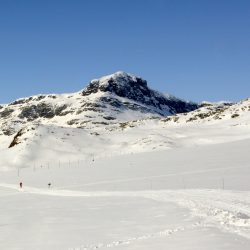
[(151, 186), (60, 164)]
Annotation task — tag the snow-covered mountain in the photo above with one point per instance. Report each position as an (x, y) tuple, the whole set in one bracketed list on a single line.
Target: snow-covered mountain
[(118, 113), (211, 112), (90, 162), (135, 89), (119, 97)]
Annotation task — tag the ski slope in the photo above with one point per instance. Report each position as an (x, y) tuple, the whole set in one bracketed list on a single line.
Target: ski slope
[(193, 197)]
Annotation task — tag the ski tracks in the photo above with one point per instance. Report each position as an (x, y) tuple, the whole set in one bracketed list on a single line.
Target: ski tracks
[(226, 210), (161, 234)]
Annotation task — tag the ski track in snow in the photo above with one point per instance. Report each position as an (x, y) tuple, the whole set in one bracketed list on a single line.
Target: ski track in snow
[(161, 234), (226, 210)]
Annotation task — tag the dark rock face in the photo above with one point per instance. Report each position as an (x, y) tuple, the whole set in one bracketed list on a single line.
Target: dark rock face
[(6, 113), (59, 111), (42, 110), (111, 101), (179, 106), (35, 111), (29, 112), (118, 105), (109, 118), (21, 101), (17, 102), (123, 85), (8, 131), (16, 141), (136, 89)]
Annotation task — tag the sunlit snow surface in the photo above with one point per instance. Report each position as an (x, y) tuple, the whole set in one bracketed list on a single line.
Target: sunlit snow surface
[(152, 185)]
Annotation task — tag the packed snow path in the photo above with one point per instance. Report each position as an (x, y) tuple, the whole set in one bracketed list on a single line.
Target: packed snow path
[(226, 210)]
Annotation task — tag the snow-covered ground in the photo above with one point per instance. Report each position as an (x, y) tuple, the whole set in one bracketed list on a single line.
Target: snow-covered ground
[(47, 143), (193, 197)]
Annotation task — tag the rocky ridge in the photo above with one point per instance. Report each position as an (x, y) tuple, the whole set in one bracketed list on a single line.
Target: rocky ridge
[(112, 103), (119, 97)]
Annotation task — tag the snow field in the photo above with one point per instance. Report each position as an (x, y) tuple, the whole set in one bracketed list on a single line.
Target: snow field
[(156, 200)]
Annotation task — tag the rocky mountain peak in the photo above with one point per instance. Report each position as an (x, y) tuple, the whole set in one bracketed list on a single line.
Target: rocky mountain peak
[(119, 83), (136, 89)]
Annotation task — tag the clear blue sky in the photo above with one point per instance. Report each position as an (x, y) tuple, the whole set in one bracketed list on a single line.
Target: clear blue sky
[(197, 50)]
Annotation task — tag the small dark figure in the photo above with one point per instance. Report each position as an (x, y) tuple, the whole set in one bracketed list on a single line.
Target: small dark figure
[(49, 185), (21, 184)]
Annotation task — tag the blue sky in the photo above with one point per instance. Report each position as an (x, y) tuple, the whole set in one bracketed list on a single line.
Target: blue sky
[(197, 50)]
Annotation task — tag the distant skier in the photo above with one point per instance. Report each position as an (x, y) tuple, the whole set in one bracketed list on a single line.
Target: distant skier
[(21, 185), (49, 185)]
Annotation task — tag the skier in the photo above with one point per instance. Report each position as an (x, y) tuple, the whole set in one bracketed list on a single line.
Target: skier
[(49, 184), (21, 184)]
